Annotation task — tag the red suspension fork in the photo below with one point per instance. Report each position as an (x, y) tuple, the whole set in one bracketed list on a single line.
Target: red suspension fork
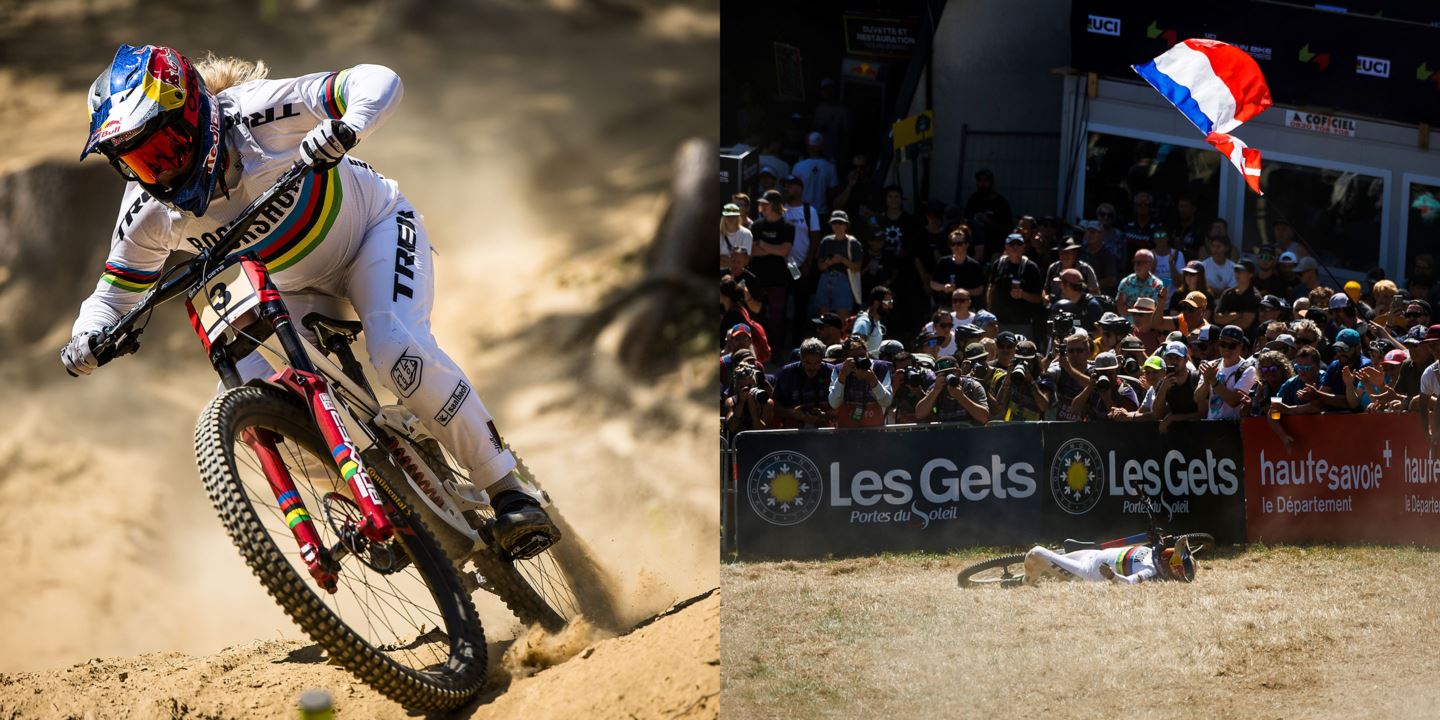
[(262, 443)]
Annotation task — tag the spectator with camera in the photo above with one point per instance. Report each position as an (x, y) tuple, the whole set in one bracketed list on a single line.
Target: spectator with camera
[(942, 329), (1224, 382), (738, 338), (1076, 302), (736, 308), (1240, 305), (802, 389), (955, 396), (1175, 395), (1015, 288), (860, 387), (976, 364), (1069, 257), (1152, 370), (1103, 391), (1025, 393), (749, 405), (1111, 330), (735, 241), (912, 379), (1069, 374)]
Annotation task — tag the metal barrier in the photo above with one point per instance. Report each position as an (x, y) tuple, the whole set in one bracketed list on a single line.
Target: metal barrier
[(727, 500)]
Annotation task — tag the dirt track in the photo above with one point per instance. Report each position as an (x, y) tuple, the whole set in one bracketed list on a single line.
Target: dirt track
[(540, 174)]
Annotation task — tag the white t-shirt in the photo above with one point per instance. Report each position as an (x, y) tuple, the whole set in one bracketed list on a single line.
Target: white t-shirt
[(819, 176), (1239, 377), (1163, 268), (742, 241), (950, 347), (803, 226), (1430, 380), (1220, 276)]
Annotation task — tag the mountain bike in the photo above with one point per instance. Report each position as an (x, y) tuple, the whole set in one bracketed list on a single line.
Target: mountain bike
[(374, 547), (1009, 570)]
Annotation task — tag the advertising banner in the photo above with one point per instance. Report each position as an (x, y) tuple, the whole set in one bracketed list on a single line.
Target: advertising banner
[(881, 36), (1102, 477), (809, 493), (1329, 487)]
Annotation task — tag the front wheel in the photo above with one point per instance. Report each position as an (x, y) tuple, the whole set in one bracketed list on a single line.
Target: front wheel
[(400, 620), (1008, 571), (1199, 542)]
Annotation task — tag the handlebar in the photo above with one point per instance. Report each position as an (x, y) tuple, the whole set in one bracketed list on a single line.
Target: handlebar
[(123, 338)]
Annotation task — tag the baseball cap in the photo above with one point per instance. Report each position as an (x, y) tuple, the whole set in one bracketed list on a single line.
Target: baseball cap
[(1306, 263), (1154, 363), (1233, 332), (1177, 349), (1432, 333), (739, 329), (1014, 239), (1071, 275), (1396, 357), (1347, 337), (815, 139), (1106, 361), (1283, 340), (1005, 338), (1132, 343), (772, 197), (840, 216), (730, 210), (1287, 257), (1208, 334), (1196, 299), (890, 348), (830, 319), (1025, 350), (1246, 265), (975, 351), (1339, 300), (791, 179), (767, 170), (984, 319), (1142, 306), (1194, 266), (1273, 302), (1266, 250)]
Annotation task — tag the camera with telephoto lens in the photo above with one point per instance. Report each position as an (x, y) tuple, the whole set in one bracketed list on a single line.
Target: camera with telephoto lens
[(745, 372), (1020, 373), (862, 364), (914, 377), (1130, 367), (952, 380), (1062, 324), (760, 395), (1103, 383)]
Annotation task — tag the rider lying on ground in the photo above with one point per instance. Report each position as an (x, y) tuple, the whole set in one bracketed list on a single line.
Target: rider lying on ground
[(1131, 564)]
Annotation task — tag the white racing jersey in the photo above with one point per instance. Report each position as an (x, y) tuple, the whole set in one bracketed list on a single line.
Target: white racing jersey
[(308, 236), (1132, 564)]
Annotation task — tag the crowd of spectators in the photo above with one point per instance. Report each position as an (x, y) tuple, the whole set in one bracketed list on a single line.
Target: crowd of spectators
[(971, 315)]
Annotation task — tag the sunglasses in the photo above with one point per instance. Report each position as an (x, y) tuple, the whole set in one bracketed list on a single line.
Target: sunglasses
[(1304, 367), (1269, 368)]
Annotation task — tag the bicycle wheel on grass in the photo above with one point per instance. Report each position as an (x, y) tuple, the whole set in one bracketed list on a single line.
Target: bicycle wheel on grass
[(1008, 571), (400, 620), (1199, 542)]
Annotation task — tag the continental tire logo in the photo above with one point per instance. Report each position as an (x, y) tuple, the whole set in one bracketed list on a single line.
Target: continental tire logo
[(1077, 477), (784, 488)]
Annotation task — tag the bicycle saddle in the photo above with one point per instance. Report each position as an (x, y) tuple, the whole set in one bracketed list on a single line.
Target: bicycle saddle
[(1072, 545), (326, 327)]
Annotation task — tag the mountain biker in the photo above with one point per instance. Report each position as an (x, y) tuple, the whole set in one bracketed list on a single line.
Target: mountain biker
[(198, 142), (1130, 564)]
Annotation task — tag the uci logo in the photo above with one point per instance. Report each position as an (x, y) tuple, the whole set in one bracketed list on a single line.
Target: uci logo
[(1077, 476), (1101, 25), (1376, 67), (784, 488)]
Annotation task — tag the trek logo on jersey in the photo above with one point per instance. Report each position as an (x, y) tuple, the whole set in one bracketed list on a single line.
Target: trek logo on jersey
[(256, 119), (130, 215), (452, 404), (1374, 67), (406, 373), (404, 254)]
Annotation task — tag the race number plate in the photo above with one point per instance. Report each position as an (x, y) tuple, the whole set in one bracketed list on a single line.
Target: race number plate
[(229, 299)]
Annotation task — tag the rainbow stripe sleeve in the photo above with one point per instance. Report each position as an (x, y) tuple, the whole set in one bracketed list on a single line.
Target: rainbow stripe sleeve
[(129, 279), (334, 94)]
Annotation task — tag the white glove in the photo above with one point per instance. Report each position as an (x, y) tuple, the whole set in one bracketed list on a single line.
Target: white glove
[(77, 356), (324, 145)]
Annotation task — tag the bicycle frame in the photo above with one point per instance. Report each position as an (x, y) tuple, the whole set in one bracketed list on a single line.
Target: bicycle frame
[(232, 317)]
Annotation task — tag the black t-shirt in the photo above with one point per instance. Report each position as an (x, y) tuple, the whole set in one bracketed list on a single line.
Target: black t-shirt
[(846, 246), (1002, 276), (770, 270), (1235, 300), (1180, 397), (909, 241), (969, 274), (1273, 285)]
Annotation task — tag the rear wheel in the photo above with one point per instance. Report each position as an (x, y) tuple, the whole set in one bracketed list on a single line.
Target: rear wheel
[(1199, 542), (400, 620), (1008, 571)]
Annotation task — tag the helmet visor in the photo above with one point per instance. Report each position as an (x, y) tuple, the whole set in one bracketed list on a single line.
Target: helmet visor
[(161, 159)]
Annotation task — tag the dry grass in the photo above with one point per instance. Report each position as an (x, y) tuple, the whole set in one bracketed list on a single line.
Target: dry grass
[(1263, 633)]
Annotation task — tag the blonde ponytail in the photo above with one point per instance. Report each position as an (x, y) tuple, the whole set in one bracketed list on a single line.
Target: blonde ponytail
[(221, 73)]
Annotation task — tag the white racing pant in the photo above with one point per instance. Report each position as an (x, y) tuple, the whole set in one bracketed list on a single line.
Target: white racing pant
[(391, 286), (1083, 564)]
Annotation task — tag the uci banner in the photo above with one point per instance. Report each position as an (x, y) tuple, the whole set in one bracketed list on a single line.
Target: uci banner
[(1327, 487), (809, 493)]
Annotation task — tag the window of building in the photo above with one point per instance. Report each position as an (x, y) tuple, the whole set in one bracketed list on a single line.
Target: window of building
[(1334, 215), (1117, 167), (1422, 232)]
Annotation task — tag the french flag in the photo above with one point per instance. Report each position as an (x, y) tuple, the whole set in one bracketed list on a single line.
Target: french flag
[(1217, 87)]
